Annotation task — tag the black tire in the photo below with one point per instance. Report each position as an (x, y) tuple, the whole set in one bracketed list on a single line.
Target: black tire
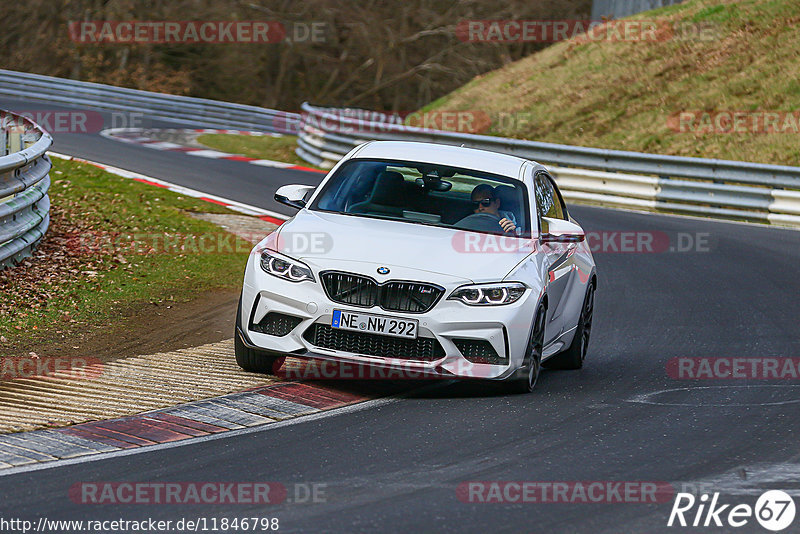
[(250, 359), (524, 379), (574, 355)]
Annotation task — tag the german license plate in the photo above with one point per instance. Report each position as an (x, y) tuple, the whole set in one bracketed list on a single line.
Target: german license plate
[(375, 324)]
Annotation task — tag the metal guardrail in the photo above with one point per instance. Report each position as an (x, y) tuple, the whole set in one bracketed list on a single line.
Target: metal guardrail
[(184, 109), (24, 182), (695, 186)]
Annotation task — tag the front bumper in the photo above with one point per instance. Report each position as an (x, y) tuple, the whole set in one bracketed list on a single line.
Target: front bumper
[(506, 328)]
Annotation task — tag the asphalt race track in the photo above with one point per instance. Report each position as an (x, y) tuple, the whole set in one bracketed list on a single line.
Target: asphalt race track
[(396, 466)]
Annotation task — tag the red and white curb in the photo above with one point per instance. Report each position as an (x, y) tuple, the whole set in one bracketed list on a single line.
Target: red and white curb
[(266, 215), (136, 136), (254, 408)]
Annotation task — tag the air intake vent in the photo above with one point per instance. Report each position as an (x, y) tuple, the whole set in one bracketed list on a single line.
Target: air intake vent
[(276, 324), (479, 351), (421, 349)]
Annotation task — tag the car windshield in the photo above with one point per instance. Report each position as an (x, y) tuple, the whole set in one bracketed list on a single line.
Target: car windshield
[(425, 193)]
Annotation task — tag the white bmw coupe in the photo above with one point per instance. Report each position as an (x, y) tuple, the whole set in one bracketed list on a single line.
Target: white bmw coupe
[(441, 260)]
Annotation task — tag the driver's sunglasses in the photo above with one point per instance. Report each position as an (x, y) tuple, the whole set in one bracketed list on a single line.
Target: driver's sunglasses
[(485, 202)]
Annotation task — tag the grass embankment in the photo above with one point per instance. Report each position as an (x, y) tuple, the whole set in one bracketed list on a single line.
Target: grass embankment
[(257, 146), (621, 95), (114, 244)]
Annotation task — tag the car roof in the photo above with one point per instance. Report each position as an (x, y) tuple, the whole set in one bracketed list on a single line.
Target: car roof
[(455, 156)]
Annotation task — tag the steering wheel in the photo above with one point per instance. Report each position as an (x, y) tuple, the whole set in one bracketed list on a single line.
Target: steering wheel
[(482, 222)]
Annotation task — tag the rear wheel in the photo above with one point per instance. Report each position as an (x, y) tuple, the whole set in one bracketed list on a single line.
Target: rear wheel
[(524, 379), (575, 354), (253, 360)]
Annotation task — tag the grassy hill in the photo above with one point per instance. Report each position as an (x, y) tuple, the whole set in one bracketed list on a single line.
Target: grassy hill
[(627, 95)]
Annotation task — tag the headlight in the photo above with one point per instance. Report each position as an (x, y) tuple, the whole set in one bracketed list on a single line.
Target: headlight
[(489, 294), (285, 267)]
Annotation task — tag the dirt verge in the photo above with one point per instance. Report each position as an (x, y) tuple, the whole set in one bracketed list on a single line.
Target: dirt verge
[(149, 328)]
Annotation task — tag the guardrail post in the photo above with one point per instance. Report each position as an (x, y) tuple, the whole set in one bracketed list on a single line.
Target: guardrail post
[(14, 142), (4, 120)]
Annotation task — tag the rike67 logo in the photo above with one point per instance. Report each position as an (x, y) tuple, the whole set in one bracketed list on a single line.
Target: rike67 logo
[(774, 510)]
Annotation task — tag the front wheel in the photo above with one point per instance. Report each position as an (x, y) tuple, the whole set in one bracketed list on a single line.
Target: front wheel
[(524, 379), (250, 359), (256, 361)]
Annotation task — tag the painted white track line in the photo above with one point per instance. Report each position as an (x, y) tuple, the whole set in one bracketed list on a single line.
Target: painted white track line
[(139, 136)]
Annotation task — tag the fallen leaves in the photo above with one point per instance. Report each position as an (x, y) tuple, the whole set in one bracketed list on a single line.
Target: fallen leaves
[(55, 269)]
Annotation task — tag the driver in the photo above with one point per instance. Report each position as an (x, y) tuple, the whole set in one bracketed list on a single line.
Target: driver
[(484, 200)]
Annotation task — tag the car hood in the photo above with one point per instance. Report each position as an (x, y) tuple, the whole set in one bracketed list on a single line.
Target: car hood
[(317, 237)]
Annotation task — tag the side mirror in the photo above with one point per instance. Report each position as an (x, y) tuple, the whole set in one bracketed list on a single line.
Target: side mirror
[(561, 231), (293, 195)]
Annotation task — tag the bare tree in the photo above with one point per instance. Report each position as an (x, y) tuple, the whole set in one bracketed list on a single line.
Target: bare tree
[(389, 55)]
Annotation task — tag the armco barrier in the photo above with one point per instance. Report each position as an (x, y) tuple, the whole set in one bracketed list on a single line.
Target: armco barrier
[(184, 109), (635, 180), (24, 182)]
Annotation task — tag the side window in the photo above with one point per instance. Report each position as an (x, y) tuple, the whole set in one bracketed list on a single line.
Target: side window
[(548, 202)]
